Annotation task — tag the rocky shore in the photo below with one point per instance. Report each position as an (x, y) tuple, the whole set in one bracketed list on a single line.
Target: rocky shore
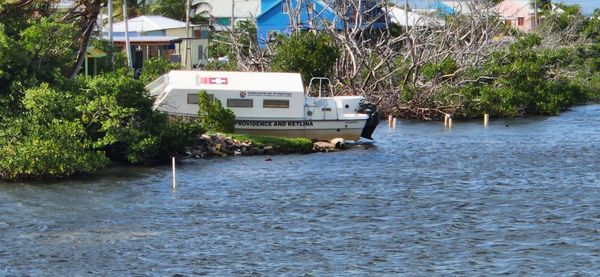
[(219, 145)]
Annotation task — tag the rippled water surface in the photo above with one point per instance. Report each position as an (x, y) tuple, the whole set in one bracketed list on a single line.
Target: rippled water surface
[(520, 197)]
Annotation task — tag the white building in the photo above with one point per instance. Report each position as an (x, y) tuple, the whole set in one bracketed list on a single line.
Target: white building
[(220, 11), (159, 36)]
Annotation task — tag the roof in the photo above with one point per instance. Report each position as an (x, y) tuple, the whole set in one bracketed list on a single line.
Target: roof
[(222, 8), (463, 7), (149, 40), (93, 52), (428, 6), (324, 5), (403, 18), (148, 23), (246, 81), (269, 8)]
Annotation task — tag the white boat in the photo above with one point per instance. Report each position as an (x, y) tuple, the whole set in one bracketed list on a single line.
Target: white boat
[(267, 104)]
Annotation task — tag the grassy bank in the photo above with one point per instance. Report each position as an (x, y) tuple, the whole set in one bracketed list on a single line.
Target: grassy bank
[(229, 144)]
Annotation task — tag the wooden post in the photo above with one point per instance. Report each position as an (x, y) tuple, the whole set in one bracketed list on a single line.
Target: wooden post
[(390, 118), (174, 181), (394, 123), (446, 117), (450, 122), (486, 119)]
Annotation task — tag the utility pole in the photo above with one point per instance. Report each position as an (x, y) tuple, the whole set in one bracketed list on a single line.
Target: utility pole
[(535, 16), (188, 52), (406, 15), (110, 31), (127, 43), (232, 15)]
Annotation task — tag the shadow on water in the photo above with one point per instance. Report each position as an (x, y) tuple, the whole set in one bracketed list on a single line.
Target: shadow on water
[(422, 200)]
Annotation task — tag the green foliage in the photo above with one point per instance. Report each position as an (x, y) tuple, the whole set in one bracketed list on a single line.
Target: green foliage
[(592, 27), (65, 132), (50, 46), (118, 111), (213, 116), (170, 8), (436, 70), (29, 150), (44, 104), (310, 54), (155, 67), (31, 52), (523, 81)]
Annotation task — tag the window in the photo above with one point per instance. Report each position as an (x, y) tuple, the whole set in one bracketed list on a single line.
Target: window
[(521, 21), (285, 8), (277, 104), (192, 98), (272, 35), (508, 23), (240, 103)]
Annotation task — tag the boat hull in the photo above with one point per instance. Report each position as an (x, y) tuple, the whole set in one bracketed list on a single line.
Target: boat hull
[(312, 129)]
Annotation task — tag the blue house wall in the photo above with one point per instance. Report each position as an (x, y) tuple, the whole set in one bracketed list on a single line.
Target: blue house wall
[(273, 20)]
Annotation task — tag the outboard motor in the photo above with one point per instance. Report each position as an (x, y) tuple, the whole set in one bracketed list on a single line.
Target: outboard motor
[(370, 109)]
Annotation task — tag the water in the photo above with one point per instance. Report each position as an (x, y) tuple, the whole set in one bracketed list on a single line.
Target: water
[(521, 197)]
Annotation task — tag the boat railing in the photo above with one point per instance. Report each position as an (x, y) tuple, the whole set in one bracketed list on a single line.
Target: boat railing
[(157, 89), (320, 80), (160, 81)]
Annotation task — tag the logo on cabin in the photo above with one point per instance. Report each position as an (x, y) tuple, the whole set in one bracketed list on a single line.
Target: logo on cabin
[(213, 80), (242, 94)]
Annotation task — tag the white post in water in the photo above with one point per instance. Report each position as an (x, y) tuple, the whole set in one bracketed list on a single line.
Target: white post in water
[(486, 119), (390, 121), (174, 181), (446, 117), (394, 123), (449, 122)]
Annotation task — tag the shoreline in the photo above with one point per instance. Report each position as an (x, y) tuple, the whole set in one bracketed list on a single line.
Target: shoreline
[(223, 145)]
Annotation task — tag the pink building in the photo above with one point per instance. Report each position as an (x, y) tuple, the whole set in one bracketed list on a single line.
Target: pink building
[(518, 13)]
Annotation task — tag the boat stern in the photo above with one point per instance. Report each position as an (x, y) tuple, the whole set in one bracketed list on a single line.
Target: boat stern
[(370, 109)]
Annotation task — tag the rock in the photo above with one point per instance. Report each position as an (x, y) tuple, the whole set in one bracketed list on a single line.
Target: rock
[(268, 147), (323, 146), (268, 159), (339, 143)]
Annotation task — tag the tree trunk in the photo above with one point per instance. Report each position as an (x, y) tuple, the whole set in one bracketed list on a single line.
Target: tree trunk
[(93, 10)]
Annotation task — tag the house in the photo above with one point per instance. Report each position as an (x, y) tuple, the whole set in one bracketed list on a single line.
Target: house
[(158, 36), (221, 12), (521, 14), (285, 16), (460, 7), (407, 18), (435, 7)]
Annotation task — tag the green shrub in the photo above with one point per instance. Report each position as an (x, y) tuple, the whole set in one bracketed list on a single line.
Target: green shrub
[(312, 55), (213, 116), (119, 112), (155, 67), (30, 150)]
